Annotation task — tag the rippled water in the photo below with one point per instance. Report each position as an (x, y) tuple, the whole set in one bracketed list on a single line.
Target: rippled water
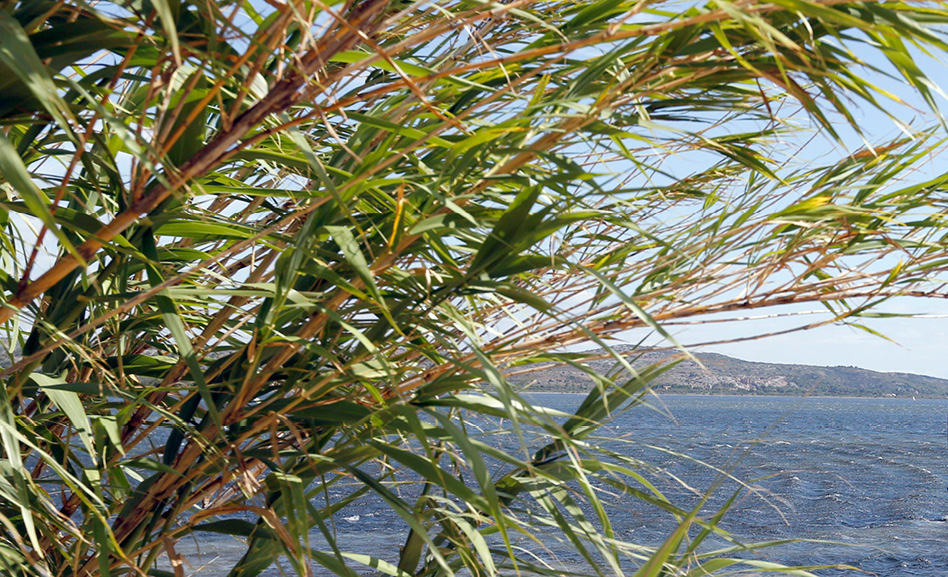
[(871, 472), (867, 472)]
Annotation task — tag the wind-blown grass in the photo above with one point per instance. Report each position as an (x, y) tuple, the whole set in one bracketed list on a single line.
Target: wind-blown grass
[(257, 251)]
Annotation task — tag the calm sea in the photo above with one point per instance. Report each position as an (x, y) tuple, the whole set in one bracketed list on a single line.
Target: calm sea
[(866, 478)]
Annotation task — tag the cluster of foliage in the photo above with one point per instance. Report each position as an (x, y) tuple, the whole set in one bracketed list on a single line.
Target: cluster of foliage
[(263, 259)]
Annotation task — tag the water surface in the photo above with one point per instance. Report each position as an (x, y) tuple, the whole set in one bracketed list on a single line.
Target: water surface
[(871, 473)]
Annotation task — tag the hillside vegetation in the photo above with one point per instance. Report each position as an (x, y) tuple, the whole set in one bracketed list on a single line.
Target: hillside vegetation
[(723, 375)]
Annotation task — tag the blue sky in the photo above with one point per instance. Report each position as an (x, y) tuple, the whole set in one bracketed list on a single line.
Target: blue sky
[(921, 344)]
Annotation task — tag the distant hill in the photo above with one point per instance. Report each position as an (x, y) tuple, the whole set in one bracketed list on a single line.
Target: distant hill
[(724, 375)]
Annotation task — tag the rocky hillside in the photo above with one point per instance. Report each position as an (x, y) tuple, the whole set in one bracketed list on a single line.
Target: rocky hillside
[(723, 375)]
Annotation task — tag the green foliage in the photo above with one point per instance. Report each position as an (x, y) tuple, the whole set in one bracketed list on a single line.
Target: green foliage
[(264, 260)]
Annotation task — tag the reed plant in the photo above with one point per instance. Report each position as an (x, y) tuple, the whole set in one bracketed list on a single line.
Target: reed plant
[(264, 260)]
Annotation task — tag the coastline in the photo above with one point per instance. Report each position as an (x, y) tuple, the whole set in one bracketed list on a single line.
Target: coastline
[(731, 395)]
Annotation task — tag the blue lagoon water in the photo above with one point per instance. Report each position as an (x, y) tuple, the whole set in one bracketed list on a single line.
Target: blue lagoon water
[(865, 479), (867, 472)]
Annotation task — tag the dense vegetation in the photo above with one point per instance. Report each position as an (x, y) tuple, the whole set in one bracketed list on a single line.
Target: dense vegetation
[(265, 259)]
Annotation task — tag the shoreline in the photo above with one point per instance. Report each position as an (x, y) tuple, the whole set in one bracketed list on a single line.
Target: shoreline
[(668, 394)]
